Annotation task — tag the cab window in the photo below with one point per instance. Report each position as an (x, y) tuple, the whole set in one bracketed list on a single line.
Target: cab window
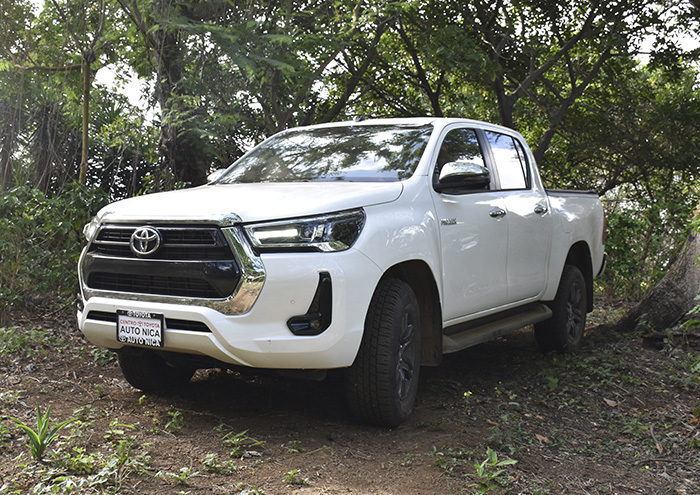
[(510, 161), (460, 145)]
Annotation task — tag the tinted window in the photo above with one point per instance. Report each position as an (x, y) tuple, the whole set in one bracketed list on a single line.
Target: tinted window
[(510, 161), (460, 145), (351, 153)]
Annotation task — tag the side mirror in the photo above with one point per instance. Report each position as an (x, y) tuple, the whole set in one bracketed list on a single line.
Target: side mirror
[(462, 176), (216, 174)]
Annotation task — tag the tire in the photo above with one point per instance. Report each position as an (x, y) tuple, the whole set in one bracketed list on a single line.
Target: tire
[(382, 383), (146, 370), (564, 331)]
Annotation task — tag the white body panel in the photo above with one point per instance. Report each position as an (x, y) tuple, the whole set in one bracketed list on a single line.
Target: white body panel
[(480, 264)]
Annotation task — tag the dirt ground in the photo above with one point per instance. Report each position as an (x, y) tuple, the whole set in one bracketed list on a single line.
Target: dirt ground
[(619, 417)]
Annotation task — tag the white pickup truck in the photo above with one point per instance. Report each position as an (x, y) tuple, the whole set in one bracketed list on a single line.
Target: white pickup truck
[(374, 246)]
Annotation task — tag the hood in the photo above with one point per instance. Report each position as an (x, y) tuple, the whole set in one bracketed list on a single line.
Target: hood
[(231, 203)]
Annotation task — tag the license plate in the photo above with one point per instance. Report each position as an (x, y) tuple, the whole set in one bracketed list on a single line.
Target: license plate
[(140, 328)]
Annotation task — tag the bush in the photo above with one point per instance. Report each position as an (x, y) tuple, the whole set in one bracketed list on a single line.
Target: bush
[(40, 242), (644, 239)]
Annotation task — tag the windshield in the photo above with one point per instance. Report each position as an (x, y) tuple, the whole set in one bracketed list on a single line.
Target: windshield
[(381, 153)]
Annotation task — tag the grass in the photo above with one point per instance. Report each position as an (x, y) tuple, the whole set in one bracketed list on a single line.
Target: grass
[(19, 342)]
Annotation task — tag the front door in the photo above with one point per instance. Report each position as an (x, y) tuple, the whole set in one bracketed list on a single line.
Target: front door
[(473, 236)]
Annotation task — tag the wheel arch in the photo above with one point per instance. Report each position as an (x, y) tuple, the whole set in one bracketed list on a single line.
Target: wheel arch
[(580, 256), (419, 276)]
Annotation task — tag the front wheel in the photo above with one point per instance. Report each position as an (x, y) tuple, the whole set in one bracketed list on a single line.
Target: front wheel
[(563, 332), (381, 384)]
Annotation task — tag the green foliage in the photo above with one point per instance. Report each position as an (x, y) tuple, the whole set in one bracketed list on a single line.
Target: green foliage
[(293, 478), (80, 472), (175, 423), (213, 465), (643, 239), (242, 445), (102, 357), (489, 474), (16, 342), (228, 74), (78, 461), (44, 435), (117, 431), (249, 490), (466, 399), (120, 464), (450, 458), (40, 241), (294, 447), (5, 435), (634, 139), (181, 478)]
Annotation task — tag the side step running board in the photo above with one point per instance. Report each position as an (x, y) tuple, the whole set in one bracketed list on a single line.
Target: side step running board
[(475, 332)]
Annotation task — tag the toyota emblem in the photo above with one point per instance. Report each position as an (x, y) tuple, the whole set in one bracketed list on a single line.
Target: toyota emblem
[(145, 241)]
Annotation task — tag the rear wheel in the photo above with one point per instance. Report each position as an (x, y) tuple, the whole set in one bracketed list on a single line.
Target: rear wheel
[(381, 384), (146, 370), (564, 331)]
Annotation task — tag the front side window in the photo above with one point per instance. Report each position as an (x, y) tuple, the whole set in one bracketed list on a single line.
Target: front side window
[(510, 161), (460, 145), (362, 153)]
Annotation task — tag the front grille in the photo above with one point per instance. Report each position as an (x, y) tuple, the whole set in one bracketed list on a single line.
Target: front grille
[(149, 284), (178, 243), (192, 261), (170, 323)]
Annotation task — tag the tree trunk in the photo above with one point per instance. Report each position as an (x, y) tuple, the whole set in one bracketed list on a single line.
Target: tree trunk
[(673, 297), (10, 124), (82, 174)]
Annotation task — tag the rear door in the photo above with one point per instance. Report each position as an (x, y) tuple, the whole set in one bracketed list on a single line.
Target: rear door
[(528, 216)]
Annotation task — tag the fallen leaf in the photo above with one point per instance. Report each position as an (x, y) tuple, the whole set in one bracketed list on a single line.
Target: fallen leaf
[(542, 438), (611, 403), (492, 423)]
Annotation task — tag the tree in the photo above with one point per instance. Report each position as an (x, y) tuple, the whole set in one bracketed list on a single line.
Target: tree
[(633, 139), (672, 298), (532, 60), (88, 45), (40, 87), (229, 73)]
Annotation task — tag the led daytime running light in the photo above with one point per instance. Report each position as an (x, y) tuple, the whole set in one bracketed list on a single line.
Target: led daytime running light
[(333, 232)]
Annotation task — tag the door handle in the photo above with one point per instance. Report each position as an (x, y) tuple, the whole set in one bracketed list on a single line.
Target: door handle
[(540, 208), (497, 212)]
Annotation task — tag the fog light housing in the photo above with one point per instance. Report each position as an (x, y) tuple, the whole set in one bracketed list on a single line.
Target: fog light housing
[(318, 318)]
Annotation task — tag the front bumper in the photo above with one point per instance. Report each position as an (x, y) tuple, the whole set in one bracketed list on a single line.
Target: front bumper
[(260, 337)]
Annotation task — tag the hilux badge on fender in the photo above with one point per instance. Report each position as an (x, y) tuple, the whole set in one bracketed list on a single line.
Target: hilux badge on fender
[(145, 241)]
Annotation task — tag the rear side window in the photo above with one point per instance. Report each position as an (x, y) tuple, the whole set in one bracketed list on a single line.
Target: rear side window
[(510, 160)]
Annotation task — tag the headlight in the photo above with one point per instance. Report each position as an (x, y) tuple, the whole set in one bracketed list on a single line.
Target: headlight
[(90, 229), (333, 232)]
